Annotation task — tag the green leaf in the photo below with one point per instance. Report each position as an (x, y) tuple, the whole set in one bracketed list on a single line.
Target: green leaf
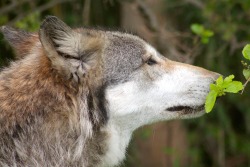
[(3, 20), (246, 73), (210, 101), (246, 51), (197, 29), (213, 87), (207, 33), (204, 40), (229, 78), (220, 88), (234, 87), (219, 81), (227, 81)]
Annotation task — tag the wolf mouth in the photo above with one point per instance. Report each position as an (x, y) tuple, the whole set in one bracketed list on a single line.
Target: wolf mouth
[(185, 108)]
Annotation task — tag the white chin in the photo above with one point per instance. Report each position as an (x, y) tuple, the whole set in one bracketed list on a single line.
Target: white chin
[(193, 114)]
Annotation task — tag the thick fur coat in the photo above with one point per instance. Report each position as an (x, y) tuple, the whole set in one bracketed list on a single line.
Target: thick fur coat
[(75, 96)]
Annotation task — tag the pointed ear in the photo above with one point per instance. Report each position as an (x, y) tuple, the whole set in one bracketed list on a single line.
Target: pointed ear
[(21, 41), (72, 53)]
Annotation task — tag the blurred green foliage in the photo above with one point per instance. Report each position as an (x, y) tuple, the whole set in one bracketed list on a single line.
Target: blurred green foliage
[(203, 33), (30, 23), (218, 139), (222, 137)]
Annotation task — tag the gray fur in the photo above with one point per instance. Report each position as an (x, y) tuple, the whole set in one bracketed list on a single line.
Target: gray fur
[(128, 57), (54, 109)]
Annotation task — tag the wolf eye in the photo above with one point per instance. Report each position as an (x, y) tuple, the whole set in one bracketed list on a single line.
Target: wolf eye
[(151, 62)]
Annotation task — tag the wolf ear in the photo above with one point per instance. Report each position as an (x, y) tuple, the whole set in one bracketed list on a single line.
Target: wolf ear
[(71, 53), (20, 40)]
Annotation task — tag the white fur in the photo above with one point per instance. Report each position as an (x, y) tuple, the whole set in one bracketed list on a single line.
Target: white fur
[(133, 104), (148, 91), (69, 44), (117, 144)]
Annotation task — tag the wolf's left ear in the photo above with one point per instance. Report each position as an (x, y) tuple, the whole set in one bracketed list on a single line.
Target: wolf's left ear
[(22, 42), (71, 53)]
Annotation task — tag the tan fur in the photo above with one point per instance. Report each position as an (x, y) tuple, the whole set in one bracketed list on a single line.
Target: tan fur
[(71, 98), (35, 90), (26, 46)]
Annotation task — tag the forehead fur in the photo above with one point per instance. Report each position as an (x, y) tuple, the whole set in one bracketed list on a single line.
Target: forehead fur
[(122, 55)]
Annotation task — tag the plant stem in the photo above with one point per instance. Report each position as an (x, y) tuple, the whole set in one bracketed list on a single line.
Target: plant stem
[(245, 85)]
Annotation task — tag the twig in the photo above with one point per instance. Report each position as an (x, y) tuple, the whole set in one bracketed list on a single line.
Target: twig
[(12, 6), (245, 84), (234, 44), (38, 10), (148, 15), (86, 12), (196, 3), (193, 53)]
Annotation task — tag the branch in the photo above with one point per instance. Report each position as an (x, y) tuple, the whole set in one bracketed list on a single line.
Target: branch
[(38, 10), (86, 12), (148, 15), (234, 44), (196, 3), (12, 6)]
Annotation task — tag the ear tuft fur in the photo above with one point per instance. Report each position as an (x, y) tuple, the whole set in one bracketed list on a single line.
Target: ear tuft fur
[(22, 41), (72, 53), (14, 36), (56, 35), (55, 29)]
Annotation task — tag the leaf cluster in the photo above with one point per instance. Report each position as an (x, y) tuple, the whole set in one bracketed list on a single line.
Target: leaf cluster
[(246, 55), (220, 88), (202, 32)]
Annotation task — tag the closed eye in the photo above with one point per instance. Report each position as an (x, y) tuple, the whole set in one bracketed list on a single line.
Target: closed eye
[(66, 56), (151, 62)]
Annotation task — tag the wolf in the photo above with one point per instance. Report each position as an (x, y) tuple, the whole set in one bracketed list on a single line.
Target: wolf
[(75, 96)]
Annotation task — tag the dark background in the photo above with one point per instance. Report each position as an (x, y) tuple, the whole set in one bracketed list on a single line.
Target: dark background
[(221, 138)]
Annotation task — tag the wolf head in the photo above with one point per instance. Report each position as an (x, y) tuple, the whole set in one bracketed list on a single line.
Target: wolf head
[(129, 82), (76, 95)]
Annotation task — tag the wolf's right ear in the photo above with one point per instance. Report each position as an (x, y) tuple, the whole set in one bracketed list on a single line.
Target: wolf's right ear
[(71, 53)]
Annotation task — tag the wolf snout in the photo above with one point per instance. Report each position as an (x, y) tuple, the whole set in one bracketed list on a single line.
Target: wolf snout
[(215, 75)]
